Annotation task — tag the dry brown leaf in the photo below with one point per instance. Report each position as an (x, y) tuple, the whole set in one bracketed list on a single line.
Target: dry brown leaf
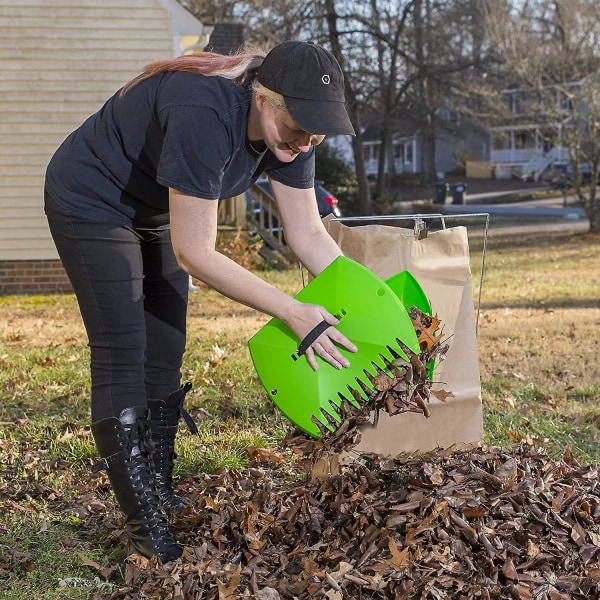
[(227, 591), (509, 571), (442, 395), (383, 382), (426, 328), (264, 455), (400, 558), (86, 562)]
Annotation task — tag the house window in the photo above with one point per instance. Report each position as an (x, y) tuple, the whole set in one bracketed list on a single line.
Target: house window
[(452, 116), (510, 102), (524, 139), (371, 152), (564, 101), (519, 104), (501, 141), (399, 152), (408, 152)]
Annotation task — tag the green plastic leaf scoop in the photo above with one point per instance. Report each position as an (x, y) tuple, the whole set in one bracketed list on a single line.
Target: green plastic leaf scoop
[(372, 315)]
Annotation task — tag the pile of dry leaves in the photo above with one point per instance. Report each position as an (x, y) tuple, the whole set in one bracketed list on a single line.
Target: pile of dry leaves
[(480, 523)]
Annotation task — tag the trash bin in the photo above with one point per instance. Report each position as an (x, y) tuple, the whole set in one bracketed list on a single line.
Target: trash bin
[(440, 191), (458, 193)]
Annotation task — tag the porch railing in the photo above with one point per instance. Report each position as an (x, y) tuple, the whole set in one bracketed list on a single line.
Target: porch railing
[(263, 219)]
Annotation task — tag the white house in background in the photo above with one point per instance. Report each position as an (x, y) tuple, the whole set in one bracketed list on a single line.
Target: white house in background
[(457, 138), (60, 60), (523, 145)]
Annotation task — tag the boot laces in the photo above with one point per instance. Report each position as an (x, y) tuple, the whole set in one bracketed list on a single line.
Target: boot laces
[(139, 438)]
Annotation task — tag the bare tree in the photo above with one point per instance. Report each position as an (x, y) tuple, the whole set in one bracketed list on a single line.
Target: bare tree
[(551, 51), (353, 102), (405, 60), (386, 25), (367, 39)]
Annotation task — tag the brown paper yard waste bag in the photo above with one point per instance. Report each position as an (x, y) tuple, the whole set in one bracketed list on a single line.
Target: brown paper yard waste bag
[(440, 263)]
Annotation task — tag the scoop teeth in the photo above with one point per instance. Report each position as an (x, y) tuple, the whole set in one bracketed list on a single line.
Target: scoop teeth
[(331, 418), (389, 365), (338, 410), (396, 366), (358, 398), (393, 352), (403, 347), (368, 375), (367, 391), (348, 405), (333, 413), (378, 369), (324, 429)]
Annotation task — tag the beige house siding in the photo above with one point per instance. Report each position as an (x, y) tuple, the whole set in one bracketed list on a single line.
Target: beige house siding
[(60, 60)]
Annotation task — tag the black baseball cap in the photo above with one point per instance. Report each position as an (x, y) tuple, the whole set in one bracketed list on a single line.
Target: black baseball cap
[(312, 84)]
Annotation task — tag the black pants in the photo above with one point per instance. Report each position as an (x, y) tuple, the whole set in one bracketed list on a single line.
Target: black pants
[(133, 299)]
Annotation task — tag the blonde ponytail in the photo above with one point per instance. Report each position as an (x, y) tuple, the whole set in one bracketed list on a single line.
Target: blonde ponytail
[(237, 66)]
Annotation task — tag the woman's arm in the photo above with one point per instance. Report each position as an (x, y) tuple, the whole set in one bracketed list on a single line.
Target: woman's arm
[(194, 234), (304, 230)]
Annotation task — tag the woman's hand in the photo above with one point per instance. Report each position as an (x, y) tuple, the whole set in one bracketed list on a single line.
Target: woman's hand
[(304, 318)]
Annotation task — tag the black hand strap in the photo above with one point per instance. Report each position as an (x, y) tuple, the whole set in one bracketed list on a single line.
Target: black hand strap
[(312, 335)]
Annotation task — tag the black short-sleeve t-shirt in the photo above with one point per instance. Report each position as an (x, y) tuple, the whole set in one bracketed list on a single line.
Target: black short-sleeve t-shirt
[(174, 130)]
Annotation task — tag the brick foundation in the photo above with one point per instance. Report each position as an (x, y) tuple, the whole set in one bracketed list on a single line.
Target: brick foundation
[(33, 277)]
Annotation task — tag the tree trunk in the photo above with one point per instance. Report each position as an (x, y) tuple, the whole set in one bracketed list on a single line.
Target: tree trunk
[(364, 200), (427, 151), (592, 211), (383, 166), (428, 173), (364, 190)]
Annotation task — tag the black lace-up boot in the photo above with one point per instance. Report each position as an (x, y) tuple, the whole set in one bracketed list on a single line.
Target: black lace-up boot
[(124, 445), (164, 422)]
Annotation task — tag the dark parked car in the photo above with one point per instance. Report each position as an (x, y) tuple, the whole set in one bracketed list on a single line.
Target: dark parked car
[(560, 174), (326, 201)]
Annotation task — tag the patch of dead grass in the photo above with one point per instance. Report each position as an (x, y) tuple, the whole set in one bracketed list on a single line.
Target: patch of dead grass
[(541, 346)]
